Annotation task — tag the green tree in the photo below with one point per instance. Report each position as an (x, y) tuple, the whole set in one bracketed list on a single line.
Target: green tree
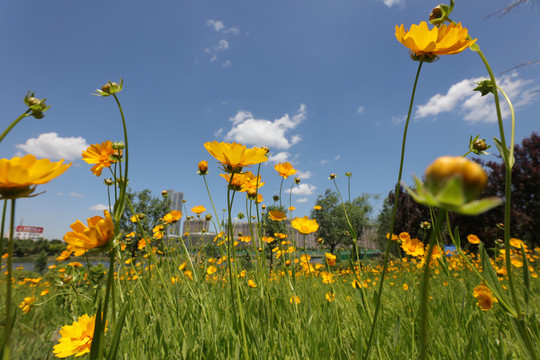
[(333, 226), (270, 227), (143, 202)]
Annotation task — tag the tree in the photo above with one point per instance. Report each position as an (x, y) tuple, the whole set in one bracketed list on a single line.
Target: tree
[(525, 211), (333, 226), (143, 202)]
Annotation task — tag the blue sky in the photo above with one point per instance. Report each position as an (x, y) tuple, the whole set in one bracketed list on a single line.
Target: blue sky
[(324, 84)]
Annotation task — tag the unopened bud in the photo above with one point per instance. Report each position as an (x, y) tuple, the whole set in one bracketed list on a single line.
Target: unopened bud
[(208, 217), (203, 167), (164, 193), (480, 145), (297, 180), (118, 145), (109, 182), (332, 176), (348, 174)]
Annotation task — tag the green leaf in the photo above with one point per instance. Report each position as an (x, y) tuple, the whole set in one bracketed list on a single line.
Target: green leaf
[(474, 47), (116, 336), (395, 336), (479, 206), (452, 193), (457, 240), (526, 275), (505, 153), (98, 332), (490, 276)]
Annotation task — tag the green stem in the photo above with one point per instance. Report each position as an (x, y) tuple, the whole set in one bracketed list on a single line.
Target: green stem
[(423, 311), (15, 122), (394, 210), (212, 202), (119, 208), (4, 211), (9, 286)]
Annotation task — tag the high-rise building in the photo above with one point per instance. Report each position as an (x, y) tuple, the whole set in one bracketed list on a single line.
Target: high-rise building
[(175, 200)]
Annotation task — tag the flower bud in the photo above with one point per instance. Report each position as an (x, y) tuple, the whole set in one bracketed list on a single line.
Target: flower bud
[(480, 145), (118, 145), (208, 217), (109, 182), (164, 193), (446, 168), (263, 207), (275, 197), (203, 167), (348, 174), (33, 101), (332, 176), (297, 180), (266, 148)]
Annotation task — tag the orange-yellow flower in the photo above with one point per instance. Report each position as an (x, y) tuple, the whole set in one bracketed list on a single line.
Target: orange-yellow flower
[(76, 338), (394, 237), (99, 232), (294, 300), (198, 209), (330, 296), (285, 169), (445, 40), (516, 243), (101, 155), (484, 297), (276, 215), (20, 176), (317, 207), (252, 283), (404, 236), (305, 225), (330, 259), (413, 247), (172, 217), (27, 303), (203, 167), (234, 156), (211, 269), (473, 239)]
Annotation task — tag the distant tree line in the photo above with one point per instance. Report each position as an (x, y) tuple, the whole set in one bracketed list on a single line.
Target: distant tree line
[(28, 247)]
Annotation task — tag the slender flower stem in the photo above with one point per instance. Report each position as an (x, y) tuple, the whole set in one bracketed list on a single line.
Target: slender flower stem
[(4, 211), (423, 311), (392, 224), (212, 202), (9, 277), (15, 122)]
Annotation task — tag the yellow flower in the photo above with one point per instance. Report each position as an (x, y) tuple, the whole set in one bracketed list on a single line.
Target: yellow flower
[(276, 215), (27, 303), (20, 176), (516, 243), (285, 169), (413, 247), (211, 269), (44, 292), (294, 300), (198, 209), (317, 207), (172, 217), (330, 259), (100, 155), (404, 236), (394, 237), (234, 156), (445, 40), (330, 296), (292, 208), (405, 287), (99, 232), (473, 239), (304, 225), (77, 338), (252, 283), (484, 297)]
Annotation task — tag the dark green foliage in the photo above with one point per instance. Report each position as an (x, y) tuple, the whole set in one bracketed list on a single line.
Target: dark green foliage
[(40, 264)]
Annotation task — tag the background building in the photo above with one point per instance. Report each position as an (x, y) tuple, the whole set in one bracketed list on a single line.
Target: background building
[(23, 232), (175, 198)]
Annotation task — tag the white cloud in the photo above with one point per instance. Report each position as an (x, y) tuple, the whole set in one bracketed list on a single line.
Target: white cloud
[(226, 64), (77, 195), (223, 44), (218, 133), (262, 132), (99, 207), (302, 200), (303, 189), (474, 107), (304, 174), (59, 194), (216, 24), (391, 3), (360, 110), (51, 146), (337, 157), (398, 119), (219, 26), (324, 161), (279, 157)]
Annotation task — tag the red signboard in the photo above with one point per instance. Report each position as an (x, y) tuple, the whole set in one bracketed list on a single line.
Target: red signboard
[(30, 229)]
